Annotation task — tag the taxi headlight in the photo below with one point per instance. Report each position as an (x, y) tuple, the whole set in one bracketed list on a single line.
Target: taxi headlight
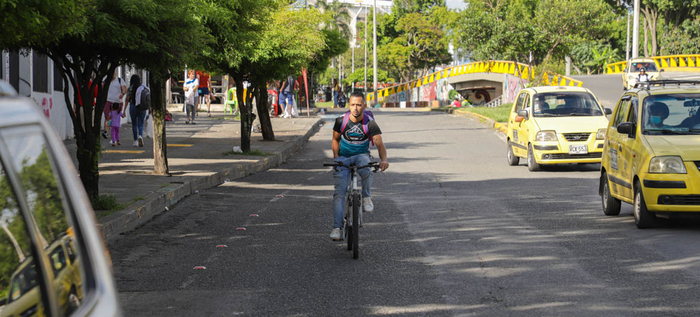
[(601, 134), (667, 165), (544, 136)]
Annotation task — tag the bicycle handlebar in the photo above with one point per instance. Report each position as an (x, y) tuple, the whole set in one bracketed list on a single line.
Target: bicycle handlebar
[(374, 165)]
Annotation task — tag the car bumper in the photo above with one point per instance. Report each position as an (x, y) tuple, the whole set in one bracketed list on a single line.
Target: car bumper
[(672, 192), (557, 152)]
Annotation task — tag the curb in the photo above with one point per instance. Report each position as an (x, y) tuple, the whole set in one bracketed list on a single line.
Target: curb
[(498, 126), (159, 201)]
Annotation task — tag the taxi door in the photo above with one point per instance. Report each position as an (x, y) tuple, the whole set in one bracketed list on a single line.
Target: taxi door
[(515, 124), (528, 128), (627, 151), (614, 147)]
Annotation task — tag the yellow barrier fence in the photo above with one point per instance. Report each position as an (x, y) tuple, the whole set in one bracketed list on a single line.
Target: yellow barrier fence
[(560, 80), (683, 62), (500, 67)]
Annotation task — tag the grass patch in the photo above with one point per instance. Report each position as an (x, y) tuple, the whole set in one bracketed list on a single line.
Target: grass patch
[(325, 104), (107, 204), (499, 114), (251, 153)]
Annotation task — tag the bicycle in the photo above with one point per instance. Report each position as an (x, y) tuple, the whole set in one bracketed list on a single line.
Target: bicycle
[(353, 199)]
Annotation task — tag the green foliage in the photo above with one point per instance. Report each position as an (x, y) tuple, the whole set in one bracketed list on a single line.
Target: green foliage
[(28, 23), (106, 203), (359, 76), (499, 114), (682, 40), (512, 30)]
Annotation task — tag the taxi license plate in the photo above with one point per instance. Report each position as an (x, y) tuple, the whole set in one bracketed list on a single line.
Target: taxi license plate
[(578, 149)]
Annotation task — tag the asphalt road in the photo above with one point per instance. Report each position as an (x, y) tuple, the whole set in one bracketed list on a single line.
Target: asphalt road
[(455, 232)]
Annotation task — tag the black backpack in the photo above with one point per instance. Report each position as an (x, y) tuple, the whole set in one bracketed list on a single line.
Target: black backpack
[(145, 99)]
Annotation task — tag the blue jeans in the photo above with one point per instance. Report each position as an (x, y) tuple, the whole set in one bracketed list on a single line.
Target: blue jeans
[(286, 98), (137, 119), (341, 175), (335, 99)]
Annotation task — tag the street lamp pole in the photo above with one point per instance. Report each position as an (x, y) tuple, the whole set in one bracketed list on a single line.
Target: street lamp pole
[(627, 48), (366, 27), (635, 32), (375, 51)]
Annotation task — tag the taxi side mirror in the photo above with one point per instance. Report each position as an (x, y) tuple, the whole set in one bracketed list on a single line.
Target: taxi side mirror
[(607, 111), (662, 70), (522, 114), (626, 128)]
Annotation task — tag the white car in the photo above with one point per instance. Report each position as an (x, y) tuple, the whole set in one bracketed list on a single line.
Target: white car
[(633, 68), (56, 262)]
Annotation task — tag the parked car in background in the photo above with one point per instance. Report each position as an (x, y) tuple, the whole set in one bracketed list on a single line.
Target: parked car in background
[(652, 152), (52, 257), (556, 125)]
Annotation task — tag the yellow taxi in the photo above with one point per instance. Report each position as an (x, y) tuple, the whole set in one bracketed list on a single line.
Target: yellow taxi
[(652, 152), (633, 68), (556, 125)]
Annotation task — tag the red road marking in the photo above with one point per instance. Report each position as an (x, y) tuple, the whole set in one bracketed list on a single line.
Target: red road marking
[(200, 268), (222, 246), (240, 229), (254, 215)]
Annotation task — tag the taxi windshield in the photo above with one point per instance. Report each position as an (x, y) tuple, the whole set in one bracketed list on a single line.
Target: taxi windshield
[(648, 67), (565, 104), (671, 114)]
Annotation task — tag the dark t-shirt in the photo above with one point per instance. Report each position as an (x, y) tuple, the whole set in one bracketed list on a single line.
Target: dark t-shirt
[(353, 140)]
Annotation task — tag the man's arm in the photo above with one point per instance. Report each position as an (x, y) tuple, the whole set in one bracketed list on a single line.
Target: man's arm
[(335, 144), (383, 165)]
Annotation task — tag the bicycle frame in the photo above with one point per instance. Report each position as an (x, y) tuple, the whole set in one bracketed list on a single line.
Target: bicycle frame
[(353, 196)]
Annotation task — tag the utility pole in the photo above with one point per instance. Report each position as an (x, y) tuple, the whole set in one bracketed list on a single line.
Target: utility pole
[(627, 48), (366, 27), (375, 51), (635, 32)]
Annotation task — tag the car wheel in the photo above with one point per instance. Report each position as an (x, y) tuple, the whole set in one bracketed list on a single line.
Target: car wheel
[(611, 205), (512, 159), (642, 217), (532, 164)]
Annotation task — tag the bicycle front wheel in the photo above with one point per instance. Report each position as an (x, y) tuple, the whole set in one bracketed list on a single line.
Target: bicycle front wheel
[(355, 234)]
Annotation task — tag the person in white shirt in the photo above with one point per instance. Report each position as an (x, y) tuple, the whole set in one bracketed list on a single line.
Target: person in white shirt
[(115, 93), (642, 77), (190, 88)]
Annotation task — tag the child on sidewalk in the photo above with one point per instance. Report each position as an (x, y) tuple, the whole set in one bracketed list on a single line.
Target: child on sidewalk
[(115, 123)]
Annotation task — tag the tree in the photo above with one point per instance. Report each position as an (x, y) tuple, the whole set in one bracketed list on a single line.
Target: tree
[(173, 36)]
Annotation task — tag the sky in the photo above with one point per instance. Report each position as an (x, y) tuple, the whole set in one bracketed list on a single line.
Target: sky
[(456, 4)]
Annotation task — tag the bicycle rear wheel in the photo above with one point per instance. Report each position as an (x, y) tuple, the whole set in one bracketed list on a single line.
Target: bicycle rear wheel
[(355, 234)]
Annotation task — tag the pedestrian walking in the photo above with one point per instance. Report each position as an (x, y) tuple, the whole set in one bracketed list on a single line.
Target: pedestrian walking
[(115, 123), (287, 96), (204, 89), (115, 93), (190, 88), (138, 117), (336, 93)]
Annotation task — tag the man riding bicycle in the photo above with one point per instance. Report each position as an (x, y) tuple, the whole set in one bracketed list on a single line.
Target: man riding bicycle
[(351, 139)]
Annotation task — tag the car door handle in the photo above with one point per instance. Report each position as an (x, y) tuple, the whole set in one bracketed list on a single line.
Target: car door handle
[(620, 147)]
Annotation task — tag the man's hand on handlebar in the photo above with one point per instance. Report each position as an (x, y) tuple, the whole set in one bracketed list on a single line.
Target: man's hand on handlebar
[(383, 165)]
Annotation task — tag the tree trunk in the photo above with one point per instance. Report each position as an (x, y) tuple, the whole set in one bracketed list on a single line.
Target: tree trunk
[(88, 160), (646, 40), (246, 115), (264, 114), (158, 106)]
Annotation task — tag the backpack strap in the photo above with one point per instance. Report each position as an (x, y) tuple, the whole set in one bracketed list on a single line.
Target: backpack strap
[(346, 118), (365, 126)]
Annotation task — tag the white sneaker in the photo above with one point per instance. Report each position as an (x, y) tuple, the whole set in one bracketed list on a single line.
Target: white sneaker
[(335, 234), (140, 142), (136, 143), (367, 204)]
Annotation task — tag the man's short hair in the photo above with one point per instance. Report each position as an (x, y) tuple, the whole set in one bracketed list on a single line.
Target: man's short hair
[(358, 94)]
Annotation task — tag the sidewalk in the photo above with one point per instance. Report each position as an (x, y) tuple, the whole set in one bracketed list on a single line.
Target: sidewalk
[(196, 159)]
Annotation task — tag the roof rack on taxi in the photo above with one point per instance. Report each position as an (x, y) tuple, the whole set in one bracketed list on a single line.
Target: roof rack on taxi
[(665, 82)]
